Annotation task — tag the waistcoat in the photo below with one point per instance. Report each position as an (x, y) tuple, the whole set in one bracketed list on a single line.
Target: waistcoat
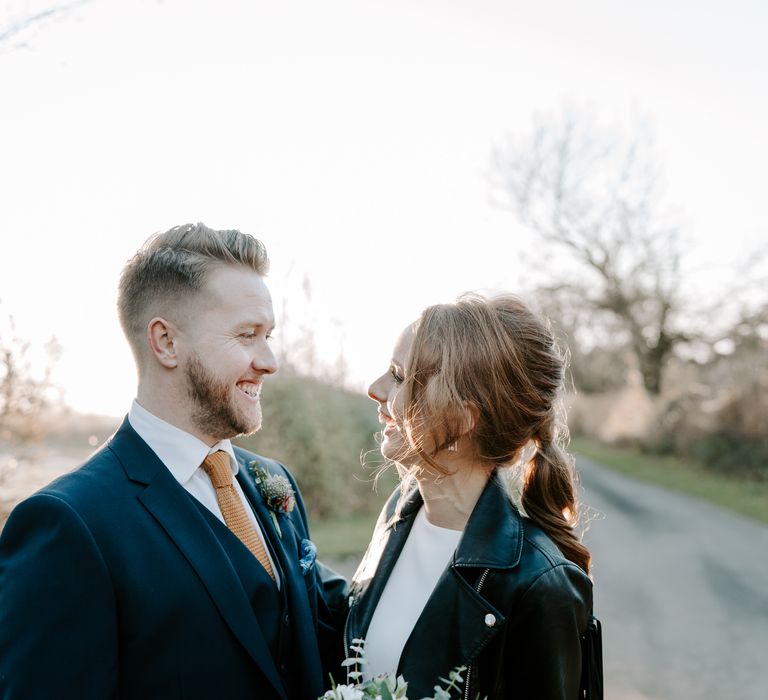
[(269, 605)]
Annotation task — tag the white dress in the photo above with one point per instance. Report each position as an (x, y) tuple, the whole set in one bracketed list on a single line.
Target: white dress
[(423, 559)]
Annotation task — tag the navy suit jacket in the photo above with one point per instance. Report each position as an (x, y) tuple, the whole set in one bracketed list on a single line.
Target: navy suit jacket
[(112, 584)]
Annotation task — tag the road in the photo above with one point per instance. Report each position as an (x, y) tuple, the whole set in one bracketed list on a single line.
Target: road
[(681, 588)]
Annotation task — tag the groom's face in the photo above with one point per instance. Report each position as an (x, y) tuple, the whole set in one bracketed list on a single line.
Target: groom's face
[(225, 352)]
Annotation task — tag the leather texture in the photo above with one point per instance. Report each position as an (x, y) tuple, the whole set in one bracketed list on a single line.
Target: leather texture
[(519, 634)]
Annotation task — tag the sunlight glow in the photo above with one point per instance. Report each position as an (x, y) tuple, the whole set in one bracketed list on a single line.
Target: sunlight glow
[(354, 139)]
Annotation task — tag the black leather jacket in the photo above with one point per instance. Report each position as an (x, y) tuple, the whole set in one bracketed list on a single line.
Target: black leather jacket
[(509, 606)]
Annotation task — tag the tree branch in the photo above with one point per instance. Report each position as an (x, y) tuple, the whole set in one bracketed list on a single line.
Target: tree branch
[(23, 24)]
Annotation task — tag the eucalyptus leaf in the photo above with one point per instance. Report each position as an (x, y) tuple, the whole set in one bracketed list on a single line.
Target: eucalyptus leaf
[(354, 662)]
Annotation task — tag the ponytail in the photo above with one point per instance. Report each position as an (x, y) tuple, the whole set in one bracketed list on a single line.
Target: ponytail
[(549, 499), (496, 356)]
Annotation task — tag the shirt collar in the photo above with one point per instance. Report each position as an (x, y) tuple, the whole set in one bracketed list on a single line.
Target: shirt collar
[(181, 452)]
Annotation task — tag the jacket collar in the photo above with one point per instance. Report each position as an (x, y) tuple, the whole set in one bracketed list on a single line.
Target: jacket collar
[(492, 539), (493, 536)]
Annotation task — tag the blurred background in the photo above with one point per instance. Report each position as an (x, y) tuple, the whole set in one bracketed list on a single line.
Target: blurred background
[(603, 160)]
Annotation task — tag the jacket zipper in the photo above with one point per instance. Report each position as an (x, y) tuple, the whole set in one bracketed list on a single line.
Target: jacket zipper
[(346, 648), (480, 583), (346, 626)]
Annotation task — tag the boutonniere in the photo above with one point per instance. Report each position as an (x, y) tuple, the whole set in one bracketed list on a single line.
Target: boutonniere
[(276, 490)]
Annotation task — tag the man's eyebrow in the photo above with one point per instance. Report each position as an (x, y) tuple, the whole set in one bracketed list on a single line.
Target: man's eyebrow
[(258, 324)]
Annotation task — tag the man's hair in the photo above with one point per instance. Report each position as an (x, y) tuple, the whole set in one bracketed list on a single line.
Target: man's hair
[(172, 266)]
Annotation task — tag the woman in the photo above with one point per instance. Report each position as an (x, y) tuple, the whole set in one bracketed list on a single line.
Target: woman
[(454, 575)]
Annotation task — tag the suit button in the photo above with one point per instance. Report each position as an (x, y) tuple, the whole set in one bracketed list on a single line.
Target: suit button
[(286, 621), (490, 620)]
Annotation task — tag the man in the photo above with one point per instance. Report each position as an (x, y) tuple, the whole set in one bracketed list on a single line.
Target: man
[(156, 570)]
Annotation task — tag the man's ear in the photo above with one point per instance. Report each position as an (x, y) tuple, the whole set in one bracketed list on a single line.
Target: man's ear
[(161, 335)]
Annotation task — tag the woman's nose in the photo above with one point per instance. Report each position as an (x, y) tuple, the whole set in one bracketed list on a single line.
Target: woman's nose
[(375, 392)]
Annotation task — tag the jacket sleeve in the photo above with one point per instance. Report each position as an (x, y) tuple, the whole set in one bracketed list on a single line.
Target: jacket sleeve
[(332, 586), (332, 613), (544, 647), (58, 630), (332, 599)]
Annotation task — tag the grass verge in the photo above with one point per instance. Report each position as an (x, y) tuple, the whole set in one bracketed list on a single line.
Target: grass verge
[(749, 498), (342, 538)]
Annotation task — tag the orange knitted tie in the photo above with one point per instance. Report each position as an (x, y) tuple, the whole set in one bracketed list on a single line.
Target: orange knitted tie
[(217, 467)]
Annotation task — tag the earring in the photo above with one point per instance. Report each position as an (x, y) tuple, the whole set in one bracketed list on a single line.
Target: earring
[(453, 447)]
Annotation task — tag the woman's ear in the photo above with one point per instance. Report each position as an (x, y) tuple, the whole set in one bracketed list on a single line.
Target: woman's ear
[(470, 416), (161, 336)]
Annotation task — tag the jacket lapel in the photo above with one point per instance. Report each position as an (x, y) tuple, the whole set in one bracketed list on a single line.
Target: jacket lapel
[(490, 546), (167, 501), (460, 618), (286, 547), (370, 579), (456, 613)]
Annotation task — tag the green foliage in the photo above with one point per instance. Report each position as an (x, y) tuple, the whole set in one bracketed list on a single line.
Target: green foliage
[(387, 686), (740, 444), (735, 455), (347, 537), (322, 434), (749, 498), (732, 440)]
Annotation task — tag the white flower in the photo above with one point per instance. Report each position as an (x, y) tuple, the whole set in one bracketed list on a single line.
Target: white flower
[(344, 692), (396, 687)]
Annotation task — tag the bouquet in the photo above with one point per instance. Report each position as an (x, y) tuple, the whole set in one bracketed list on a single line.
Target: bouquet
[(386, 687)]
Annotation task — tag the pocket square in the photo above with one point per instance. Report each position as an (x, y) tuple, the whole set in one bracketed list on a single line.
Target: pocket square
[(308, 556)]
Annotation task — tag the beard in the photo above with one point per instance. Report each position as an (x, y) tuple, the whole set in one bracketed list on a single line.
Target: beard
[(214, 408)]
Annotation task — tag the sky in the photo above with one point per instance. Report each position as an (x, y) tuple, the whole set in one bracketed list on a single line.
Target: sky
[(354, 139)]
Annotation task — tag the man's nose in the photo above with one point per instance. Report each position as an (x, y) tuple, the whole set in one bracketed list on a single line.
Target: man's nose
[(265, 361)]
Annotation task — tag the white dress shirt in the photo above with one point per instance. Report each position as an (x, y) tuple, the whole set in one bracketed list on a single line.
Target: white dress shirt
[(183, 454)]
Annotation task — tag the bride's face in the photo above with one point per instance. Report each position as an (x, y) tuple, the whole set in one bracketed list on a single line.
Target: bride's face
[(385, 391)]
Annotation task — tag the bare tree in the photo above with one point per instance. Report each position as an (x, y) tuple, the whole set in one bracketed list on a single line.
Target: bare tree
[(25, 392), (595, 340), (591, 196)]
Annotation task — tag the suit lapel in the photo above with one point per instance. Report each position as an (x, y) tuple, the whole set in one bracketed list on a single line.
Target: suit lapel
[(170, 505), (287, 550)]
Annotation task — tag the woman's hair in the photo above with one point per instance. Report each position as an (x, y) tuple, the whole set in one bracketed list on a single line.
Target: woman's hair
[(490, 369), (171, 266)]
